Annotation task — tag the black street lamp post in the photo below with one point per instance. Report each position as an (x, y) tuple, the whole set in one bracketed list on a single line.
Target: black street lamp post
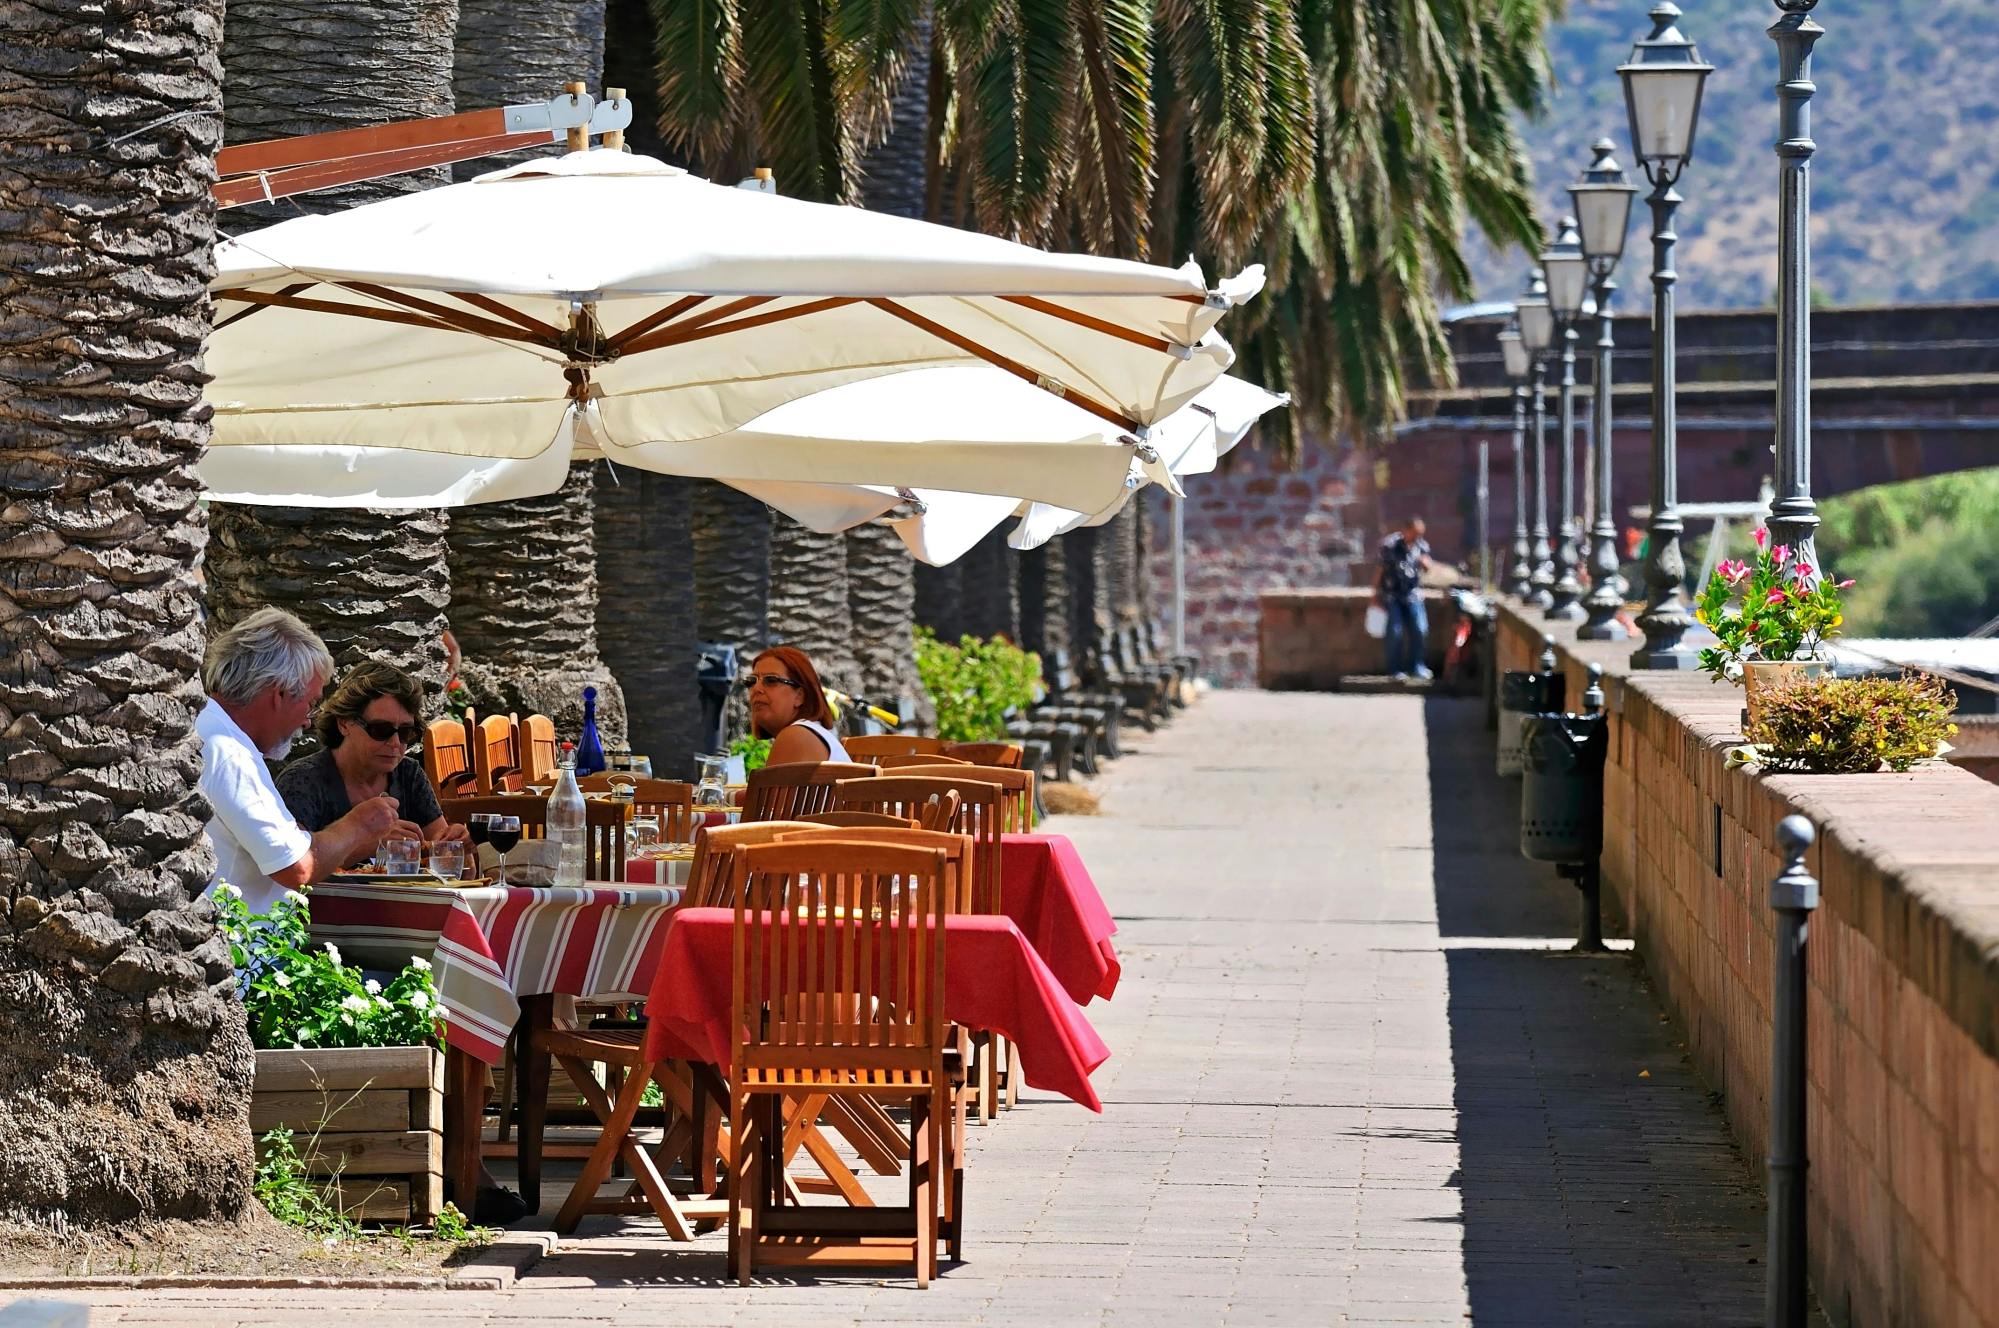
[(1663, 82), (1602, 200), (1568, 296), (1537, 333), (1513, 353), (1793, 516)]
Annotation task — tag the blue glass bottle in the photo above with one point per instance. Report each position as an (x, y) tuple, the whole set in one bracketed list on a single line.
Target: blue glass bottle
[(589, 748)]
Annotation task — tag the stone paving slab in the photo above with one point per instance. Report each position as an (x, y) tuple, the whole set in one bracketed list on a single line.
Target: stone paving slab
[(1354, 1081)]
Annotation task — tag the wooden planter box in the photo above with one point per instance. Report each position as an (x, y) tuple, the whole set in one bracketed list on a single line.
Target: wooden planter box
[(367, 1120)]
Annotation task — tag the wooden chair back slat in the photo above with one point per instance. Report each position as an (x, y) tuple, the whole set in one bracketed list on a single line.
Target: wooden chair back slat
[(715, 847), (1005, 755), (447, 758), (538, 750), (669, 801), (977, 813), (496, 756), (861, 820), (870, 746), (838, 960), (960, 852), (799, 788), (1018, 814), (896, 760)]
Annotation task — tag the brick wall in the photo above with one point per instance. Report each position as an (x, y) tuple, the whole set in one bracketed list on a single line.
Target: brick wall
[(1253, 527), (1308, 640), (1903, 998)]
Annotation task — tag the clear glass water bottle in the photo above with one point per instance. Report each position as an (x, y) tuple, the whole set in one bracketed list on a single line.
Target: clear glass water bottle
[(568, 824)]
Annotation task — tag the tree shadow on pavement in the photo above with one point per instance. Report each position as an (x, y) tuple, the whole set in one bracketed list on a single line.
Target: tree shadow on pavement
[(1598, 1181)]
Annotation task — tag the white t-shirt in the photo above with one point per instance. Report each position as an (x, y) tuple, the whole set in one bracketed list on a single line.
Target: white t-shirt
[(834, 751), (252, 830)]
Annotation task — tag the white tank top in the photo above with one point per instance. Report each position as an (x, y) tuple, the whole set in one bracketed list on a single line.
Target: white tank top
[(834, 751)]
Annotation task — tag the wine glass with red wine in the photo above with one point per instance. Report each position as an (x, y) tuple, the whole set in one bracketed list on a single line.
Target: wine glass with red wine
[(504, 834)]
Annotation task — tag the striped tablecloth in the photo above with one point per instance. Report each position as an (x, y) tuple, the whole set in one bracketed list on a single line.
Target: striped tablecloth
[(490, 945)]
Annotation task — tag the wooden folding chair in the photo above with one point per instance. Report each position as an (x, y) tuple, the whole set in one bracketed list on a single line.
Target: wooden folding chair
[(532, 811), (838, 992), (496, 754), (447, 758), (870, 746), (1017, 804), (798, 788), (670, 802), (895, 761), (861, 820), (1006, 755), (604, 822), (539, 751)]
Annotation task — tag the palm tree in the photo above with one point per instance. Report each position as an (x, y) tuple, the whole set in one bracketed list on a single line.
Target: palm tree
[(810, 599), (645, 610), (732, 563), (125, 1078), (523, 574), (373, 584)]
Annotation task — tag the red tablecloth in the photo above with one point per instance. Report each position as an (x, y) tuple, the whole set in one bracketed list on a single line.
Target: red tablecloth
[(490, 946), (993, 980), (1047, 891)]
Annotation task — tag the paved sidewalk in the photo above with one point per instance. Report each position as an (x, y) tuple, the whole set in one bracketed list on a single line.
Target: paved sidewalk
[(1353, 1081)]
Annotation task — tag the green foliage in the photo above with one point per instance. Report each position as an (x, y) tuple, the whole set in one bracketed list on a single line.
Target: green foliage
[(288, 1195), (1771, 609), (754, 751), (301, 996), (1928, 552), (1851, 725), (975, 683)]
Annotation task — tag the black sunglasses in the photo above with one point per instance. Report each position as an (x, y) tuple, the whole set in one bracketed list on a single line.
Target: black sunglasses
[(381, 730), (771, 680)]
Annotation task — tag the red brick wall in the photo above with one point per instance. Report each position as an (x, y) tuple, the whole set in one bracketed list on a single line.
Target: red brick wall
[(1253, 527)]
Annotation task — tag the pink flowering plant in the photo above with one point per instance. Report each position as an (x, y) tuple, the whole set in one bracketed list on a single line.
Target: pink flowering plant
[(1776, 608)]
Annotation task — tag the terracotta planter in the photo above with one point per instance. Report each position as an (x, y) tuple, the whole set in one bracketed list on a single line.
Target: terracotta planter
[(1759, 675)]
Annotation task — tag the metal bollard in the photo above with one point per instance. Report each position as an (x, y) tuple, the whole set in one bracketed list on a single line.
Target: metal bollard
[(1523, 693), (1561, 801), (1488, 667), (1794, 894)]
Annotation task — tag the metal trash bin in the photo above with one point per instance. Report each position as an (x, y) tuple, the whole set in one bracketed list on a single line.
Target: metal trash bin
[(1523, 693), (1561, 798)]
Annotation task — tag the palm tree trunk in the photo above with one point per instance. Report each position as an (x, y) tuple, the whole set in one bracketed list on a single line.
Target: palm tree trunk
[(990, 588), (809, 605), (732, 551), (523, 573), (645, 610), (374, 584), (1047, 603), (1090, 580), (940, 599), (125, 1082), (881, 574), (524, 601), (1119, 548)]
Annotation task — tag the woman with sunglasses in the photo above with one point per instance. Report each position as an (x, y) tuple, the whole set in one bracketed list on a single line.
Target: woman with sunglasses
[(788, 705), (366, 729)]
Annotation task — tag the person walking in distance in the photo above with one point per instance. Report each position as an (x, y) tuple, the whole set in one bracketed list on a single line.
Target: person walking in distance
[(1398, 589)]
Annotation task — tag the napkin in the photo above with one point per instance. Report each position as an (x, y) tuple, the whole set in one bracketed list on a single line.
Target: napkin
[(533, 862)]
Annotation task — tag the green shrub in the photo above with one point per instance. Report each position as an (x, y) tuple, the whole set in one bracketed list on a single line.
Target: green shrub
[(1851, 725), (301, 996), (975, 683), (754, 751)]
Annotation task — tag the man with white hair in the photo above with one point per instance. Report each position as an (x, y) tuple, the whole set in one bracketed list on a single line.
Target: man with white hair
[(263, 677)]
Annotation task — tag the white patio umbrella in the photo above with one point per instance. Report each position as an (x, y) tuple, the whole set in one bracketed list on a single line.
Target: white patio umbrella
[(608, 304)]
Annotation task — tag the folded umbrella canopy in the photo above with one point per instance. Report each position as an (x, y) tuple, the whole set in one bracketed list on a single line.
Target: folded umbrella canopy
[(603, 304)]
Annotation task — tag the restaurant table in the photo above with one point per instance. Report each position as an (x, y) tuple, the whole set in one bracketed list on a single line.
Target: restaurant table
[(1048, 893), (671, 871), (493, 950), (993, 981)]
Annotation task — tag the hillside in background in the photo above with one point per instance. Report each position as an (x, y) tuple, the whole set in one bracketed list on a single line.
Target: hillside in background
[(1906, 181)]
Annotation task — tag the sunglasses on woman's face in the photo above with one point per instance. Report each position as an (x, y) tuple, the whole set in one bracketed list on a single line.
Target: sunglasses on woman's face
[(770, 680), (381, 730)]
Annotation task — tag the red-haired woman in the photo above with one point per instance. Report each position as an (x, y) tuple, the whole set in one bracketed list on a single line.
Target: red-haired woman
[(788, 706)]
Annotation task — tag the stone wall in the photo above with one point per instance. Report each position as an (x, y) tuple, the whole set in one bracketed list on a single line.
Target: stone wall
[(1308, 640), (1903, 1001), (1252, 527)]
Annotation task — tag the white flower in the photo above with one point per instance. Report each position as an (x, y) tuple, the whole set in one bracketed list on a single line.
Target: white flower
[(419, 963), (224, 888), (281, 979), (358, 1004), (420, 1000), (295, 899), (372, 987), (333, 952), (347, 1019)]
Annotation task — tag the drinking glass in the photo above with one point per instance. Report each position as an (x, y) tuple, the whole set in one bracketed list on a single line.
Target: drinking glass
[(447, 858), (401, 856), (475, 827), (504, 834), (713, 790), (645, 835)]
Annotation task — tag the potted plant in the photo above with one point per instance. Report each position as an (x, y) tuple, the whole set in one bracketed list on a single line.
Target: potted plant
[(348, 1067), (1852, 725), (1768, 617)]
